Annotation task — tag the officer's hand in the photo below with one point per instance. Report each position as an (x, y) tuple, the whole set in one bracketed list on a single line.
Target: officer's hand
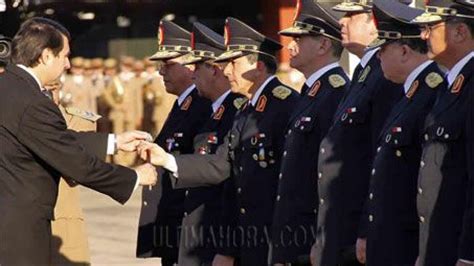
[(361, 245), (152, 153), (312, 255), (128, 141), (147, 174), (221, 260), (461, 263)]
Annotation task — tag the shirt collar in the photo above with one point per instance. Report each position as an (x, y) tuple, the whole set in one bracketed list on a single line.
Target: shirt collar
[(259, 91), (219, 101), (367, 56), (316, 75), (414, 74), (185, 94), (29, 71), (454, 72)]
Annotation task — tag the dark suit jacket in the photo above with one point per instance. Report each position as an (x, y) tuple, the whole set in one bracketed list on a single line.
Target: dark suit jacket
[(345, 158), (203, 204), (162, 208), (392, 232), (445, 203), (36, 150), (251, 154), (294, 220)]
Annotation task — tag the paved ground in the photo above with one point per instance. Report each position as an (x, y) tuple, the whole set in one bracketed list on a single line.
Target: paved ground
[(112, 229)]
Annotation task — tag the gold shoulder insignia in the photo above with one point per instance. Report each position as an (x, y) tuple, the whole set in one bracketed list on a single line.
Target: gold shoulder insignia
[(337, 81), (187, 103), (238, 102), (83, 114), (433, 80), (281, 92)]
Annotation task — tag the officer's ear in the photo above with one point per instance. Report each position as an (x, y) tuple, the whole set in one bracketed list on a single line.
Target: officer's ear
[(461, 33), (326, 45), (46, 57)]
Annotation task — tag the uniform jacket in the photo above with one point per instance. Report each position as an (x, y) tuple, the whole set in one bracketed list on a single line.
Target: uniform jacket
[(162, 206), (36, 150), (445, 203), (251, 156), (345, 157), (203, 204), (297, 200), (392, 228)]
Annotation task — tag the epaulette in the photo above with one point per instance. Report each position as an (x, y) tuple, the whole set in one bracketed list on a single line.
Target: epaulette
[(433, 79), (83, 114), (238, 102), (337, 81), (281, 92)]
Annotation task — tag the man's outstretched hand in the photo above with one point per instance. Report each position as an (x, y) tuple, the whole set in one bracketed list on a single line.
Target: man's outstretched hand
[(152, 153), (128, 141), (147, 175)]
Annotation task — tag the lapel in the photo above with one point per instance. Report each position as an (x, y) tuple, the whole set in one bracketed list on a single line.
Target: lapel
[(448, 98)]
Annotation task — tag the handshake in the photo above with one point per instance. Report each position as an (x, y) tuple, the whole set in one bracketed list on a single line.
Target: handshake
[(152, 154)]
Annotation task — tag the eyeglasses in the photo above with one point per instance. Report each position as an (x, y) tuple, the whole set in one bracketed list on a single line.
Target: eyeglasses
[(427, 29)]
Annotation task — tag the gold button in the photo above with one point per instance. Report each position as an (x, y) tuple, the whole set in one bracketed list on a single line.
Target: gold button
[(427, 137), (145, 203), (420, 190), (239, 190), (255, 157), (446, 136), (371, 218), (422, 219), (278, 198), (241, 168), (321, 201), (289, 131), (398, 153), (284, 153), (379, 148), (320, 175), (186, 193), (323, 150), (280, 176), (422, 164), (371, 196), (242, 210), (185, 214), (373, 171)]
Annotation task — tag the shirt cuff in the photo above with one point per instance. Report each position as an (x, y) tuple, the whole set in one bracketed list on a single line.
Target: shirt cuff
[(171, 165), (111, 144), (466, 261), (137, 183)]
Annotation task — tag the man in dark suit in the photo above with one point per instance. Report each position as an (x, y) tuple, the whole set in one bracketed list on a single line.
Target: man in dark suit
[(202, 205), (346, 153), (37, 148), (315, 51), (162, 207), (252, 150), (445, 201), (392, 231)]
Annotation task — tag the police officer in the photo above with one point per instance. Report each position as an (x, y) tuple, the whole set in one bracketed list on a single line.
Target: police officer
[(162, 208), (252, 151), (346, 153), (445, 203), (203, 204), (315, 51), (392, 231)]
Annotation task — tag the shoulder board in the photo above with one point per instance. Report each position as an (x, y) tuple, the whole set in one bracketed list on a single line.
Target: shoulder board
[(337, 81), (238, 102), (433, 79), (83, 114), (281, 92)]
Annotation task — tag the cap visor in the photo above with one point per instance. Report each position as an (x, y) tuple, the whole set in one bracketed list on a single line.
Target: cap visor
[(427, 18), (229, 55), (349, 7), (164, 55), (293, 31)]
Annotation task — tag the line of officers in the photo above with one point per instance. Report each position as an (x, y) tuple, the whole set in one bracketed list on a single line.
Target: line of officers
[(375, 170)]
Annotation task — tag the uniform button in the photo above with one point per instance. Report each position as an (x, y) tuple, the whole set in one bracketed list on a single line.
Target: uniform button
[(255, 157), (323, 150), (373, 171), (289, 131), (422, 219), (242, 210), (243, 148), (284, 153), (398, 153), (278, 198), (145, 203), (320, 175), (280, 176), (321, 201), (446, 136), (315, 210), (379, 148), (239, 190), (186, 193), (371, 218), (420, 190), (427, 137), (232, 136), (422, 164), (241, 168), (185, 214), (371, 196)]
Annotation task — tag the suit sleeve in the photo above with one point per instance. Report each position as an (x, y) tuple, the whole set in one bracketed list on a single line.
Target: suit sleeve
[(94, 143), (196, 170), (42, 129), (466, 247)]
